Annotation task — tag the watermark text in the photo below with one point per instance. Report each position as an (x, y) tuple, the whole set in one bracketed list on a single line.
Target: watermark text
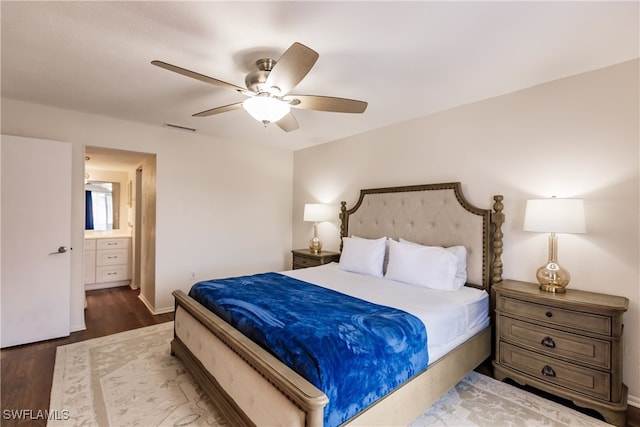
[(36, 414)]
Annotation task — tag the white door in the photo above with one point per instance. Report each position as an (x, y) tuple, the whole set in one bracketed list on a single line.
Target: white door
[(36, 235)]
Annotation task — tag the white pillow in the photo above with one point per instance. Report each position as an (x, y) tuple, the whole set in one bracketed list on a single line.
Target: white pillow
[(460, 253), (364, 256), (385, 262), (427, 266)]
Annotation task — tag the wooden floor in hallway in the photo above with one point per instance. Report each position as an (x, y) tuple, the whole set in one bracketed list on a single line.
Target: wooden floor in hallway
[(27, 370)]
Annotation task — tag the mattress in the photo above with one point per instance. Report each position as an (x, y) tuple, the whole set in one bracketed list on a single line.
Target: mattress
[(451, 317)]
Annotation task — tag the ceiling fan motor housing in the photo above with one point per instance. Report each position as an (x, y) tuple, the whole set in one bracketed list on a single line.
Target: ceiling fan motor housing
[(256, 80)]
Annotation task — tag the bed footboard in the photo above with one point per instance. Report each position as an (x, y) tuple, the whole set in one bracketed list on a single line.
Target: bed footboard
[(237, 373), (250, 387), (405, 404)]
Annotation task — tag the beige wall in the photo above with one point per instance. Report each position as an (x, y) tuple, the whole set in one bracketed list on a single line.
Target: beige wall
[(575, 137), (221, 209), (148, 232)]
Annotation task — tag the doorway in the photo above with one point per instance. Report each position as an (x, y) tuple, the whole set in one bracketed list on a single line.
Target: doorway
[(135, 217)]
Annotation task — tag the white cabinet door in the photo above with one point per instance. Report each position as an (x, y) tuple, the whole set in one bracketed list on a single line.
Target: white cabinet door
[(36, 236)]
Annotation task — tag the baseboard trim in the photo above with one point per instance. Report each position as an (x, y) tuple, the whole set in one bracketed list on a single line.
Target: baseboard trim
[(106, 285), (165, 310), (77, 328), (146, 303), (152, 309), (633, 401)]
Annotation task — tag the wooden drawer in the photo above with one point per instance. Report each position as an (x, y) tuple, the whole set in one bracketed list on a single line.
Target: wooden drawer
[(301, 262), (112, 273), (112, 257), (303, 258), (562, 318), (117, 243), (587, 381), (573, 347)]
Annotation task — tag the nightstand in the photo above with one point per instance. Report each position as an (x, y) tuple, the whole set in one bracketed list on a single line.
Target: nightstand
[(303, 258), (567, 344)]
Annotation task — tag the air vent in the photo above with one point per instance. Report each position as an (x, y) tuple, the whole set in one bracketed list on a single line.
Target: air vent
[(178, 127)]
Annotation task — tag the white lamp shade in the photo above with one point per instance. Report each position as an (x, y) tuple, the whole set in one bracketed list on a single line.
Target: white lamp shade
[(265, 109), (555, 216), (316, 212)]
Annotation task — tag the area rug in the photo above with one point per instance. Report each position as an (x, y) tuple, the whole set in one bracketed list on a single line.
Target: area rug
[(130, 379)]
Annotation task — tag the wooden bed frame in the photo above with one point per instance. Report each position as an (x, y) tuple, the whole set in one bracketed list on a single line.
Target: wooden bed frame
[(251, 387)]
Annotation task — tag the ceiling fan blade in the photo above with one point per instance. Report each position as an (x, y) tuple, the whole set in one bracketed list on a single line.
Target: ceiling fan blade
[(328, 103), (219, 110), (288, 123), (198, 76), (291, 68)]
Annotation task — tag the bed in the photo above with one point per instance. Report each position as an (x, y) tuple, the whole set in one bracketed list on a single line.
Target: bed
[(250, 386)]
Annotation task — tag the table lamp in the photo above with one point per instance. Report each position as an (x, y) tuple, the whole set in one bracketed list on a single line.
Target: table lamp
[(316, 212), (554, 216)]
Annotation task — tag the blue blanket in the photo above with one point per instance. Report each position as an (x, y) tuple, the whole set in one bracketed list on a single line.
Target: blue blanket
[(353, 350)]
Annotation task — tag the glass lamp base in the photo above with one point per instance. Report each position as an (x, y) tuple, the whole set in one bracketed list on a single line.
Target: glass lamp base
[(315, 245), (553, 278)]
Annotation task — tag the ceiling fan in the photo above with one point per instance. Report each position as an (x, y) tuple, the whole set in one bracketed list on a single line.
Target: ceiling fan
[(269, 100)]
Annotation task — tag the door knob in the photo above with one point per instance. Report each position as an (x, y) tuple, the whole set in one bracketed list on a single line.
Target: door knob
[(61, 250)]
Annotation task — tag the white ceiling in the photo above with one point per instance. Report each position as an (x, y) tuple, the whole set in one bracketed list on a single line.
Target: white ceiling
[(407, 59)]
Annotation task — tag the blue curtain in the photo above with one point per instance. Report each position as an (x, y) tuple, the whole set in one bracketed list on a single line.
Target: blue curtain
[(88, 210)]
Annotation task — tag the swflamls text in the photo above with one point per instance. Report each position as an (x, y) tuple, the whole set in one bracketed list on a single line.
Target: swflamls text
[(35, 414)]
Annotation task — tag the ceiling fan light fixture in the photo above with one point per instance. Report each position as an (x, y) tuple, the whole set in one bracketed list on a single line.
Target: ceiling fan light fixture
[(266, 109), (268, 88)]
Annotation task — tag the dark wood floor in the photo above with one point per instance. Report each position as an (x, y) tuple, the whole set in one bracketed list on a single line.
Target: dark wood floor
[(27, 370)]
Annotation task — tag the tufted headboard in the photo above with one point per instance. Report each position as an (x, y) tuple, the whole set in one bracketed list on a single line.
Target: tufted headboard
[(436, 215)]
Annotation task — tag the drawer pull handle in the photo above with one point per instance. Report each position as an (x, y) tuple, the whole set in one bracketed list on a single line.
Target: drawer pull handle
[(549, 314), (548, 371), (548, 342)]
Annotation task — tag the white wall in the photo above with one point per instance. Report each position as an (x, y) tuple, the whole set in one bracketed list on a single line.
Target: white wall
[(222, 209), (575, 137)]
